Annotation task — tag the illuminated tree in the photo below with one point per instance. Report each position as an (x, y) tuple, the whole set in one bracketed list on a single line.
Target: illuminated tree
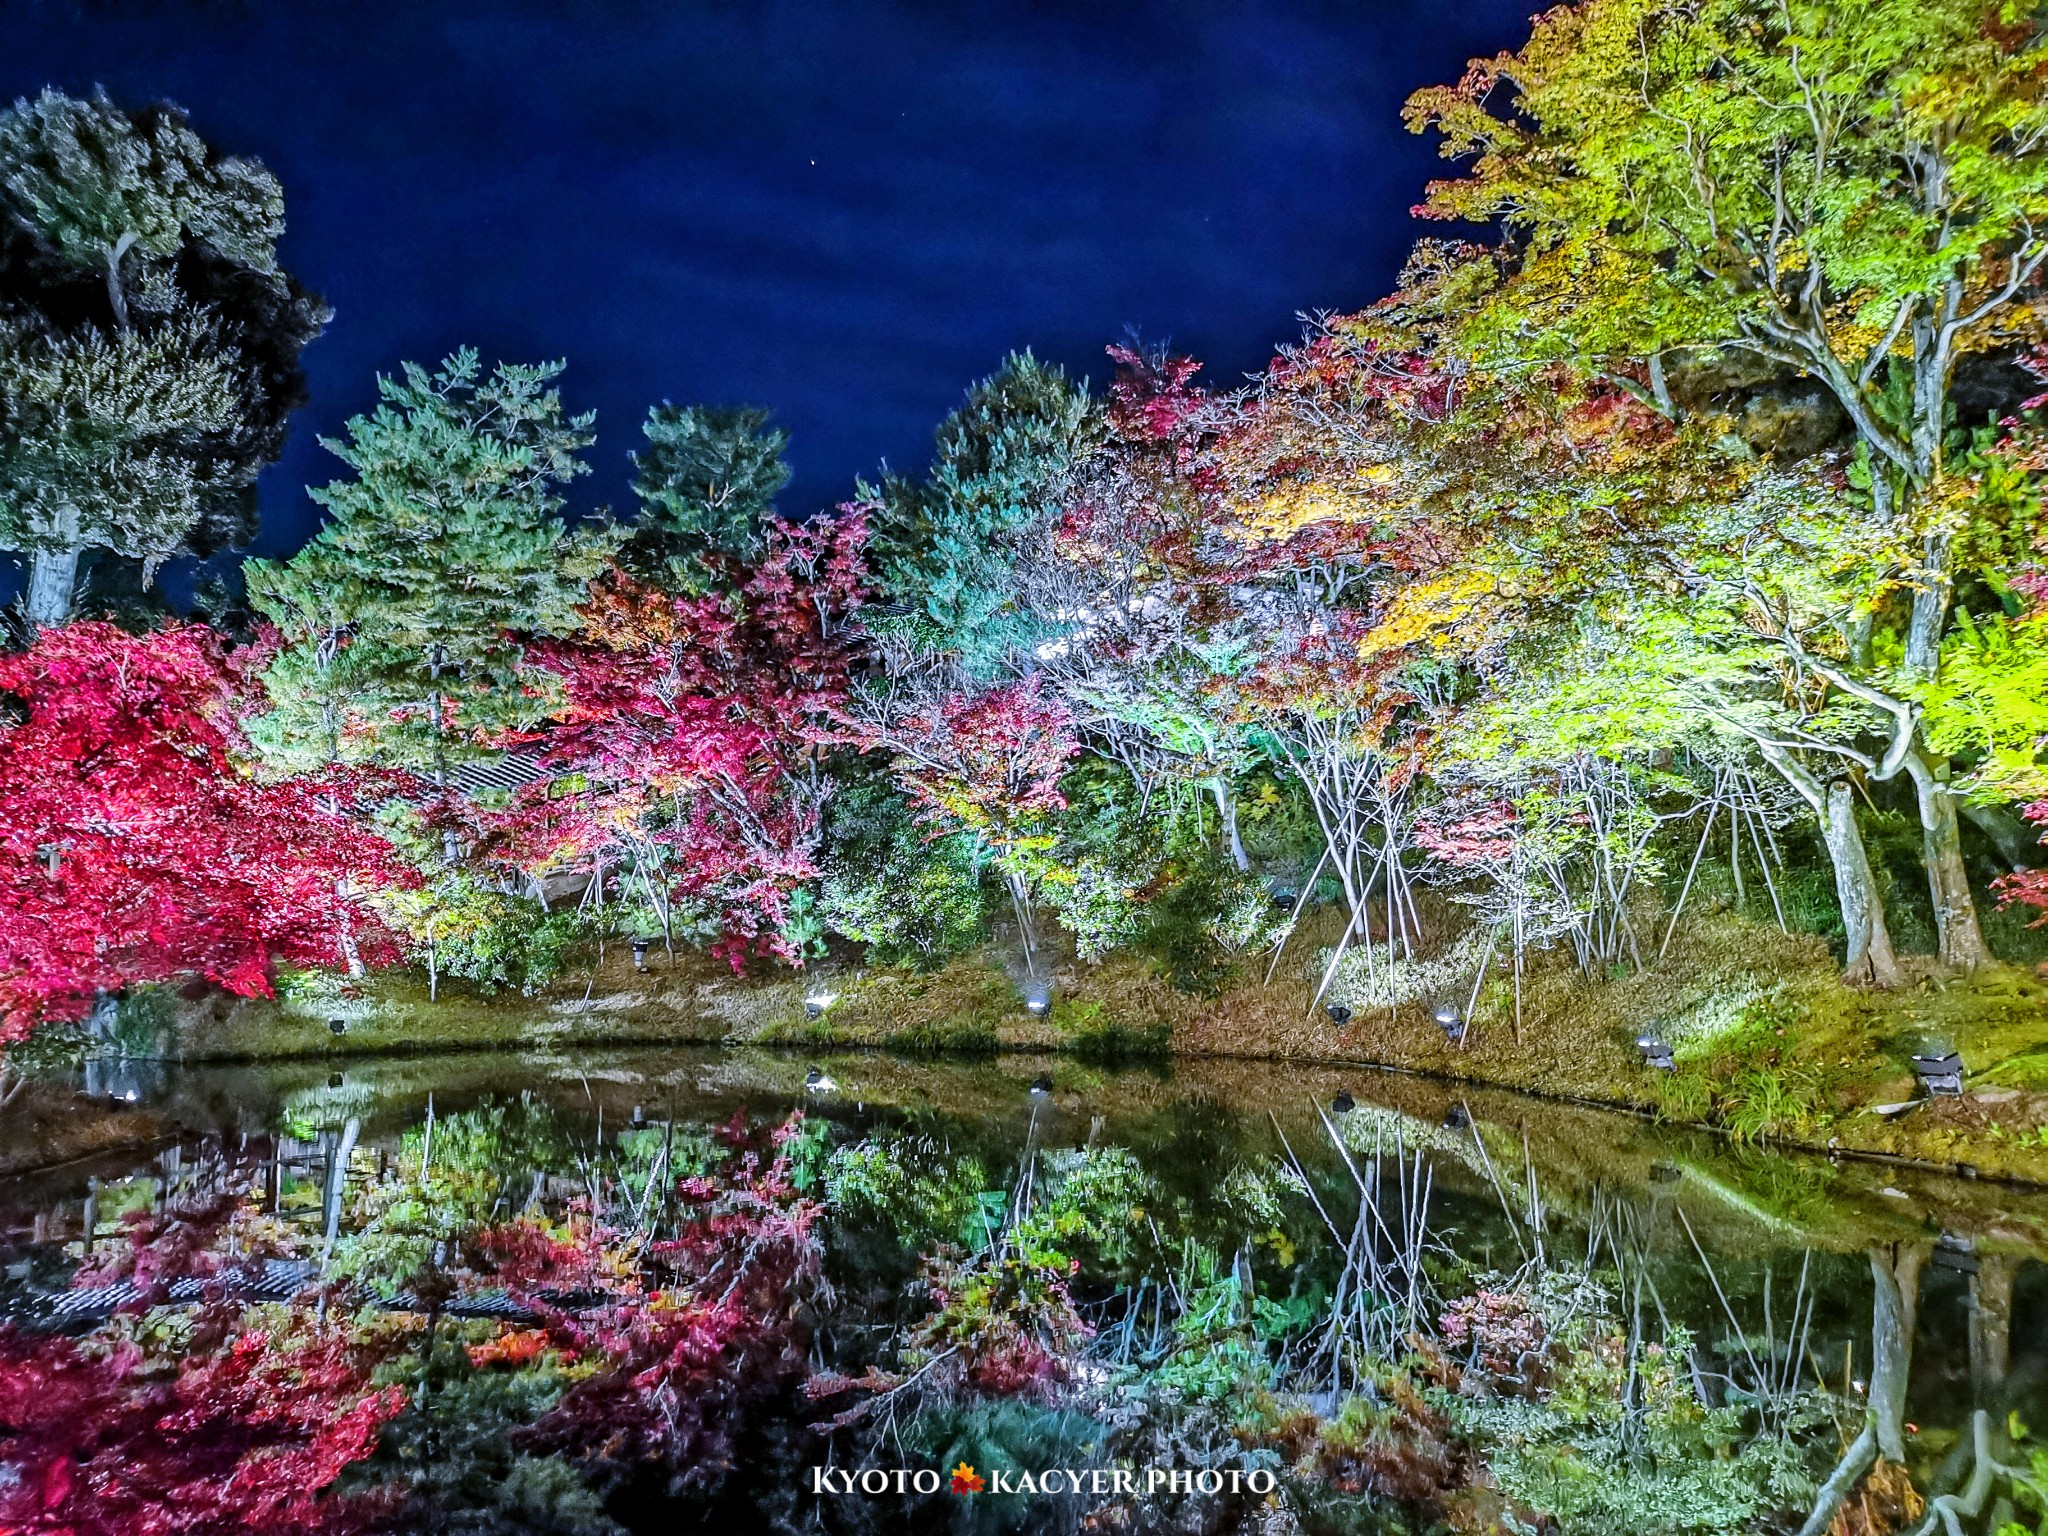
[(134, 845), (445, 554), (151, 358), (1851, 192), (688, 730), (945, 547), (707, 484), (984, 764)]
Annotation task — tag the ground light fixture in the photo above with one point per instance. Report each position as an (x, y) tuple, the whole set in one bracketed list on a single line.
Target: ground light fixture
[(1343, 1104), (1339, 1014), (1941, 1076), (815, 1081), (338, 1026), (1656, 1054), (640, 948), (1037, 999), (1452, 1023), (1041, 1086), (817, 1002)]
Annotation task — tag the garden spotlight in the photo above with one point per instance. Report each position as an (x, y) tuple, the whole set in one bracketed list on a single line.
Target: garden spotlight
[(1941, 1076)]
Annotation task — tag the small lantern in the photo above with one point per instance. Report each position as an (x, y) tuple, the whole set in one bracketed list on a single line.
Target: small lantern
[(1038, 999), (1941, 1076), (1656, 1054), (1954, 1251), (338, 1026), (1339, 1014), (1041, 1086), (639, 1115), (1458, 1118), (815, 1081), (1343, 1104), (335, 1079), (640, 947), (1452, 1023), (817, 1002)]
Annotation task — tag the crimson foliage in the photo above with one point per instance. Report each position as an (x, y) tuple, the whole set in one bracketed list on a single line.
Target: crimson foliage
[(248, 1438), (134, 846), (688, 735)]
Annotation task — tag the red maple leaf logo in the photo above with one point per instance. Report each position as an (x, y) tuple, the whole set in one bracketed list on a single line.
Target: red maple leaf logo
[(966, 1479)]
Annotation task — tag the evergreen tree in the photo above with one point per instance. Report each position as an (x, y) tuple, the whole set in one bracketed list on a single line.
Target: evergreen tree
[(405, 619), (707, 486), (946, 548), (148, 341)]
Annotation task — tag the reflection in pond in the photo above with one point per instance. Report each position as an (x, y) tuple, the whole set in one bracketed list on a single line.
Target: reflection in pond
[(623, 1292)]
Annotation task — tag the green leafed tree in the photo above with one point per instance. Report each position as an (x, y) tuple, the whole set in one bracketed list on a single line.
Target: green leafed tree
[(947, 546), (148, 340), (1857, 193), (404, 620), (707, 484)]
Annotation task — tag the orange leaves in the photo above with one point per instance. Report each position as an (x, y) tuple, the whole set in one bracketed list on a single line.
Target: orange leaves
[(515, 1347)]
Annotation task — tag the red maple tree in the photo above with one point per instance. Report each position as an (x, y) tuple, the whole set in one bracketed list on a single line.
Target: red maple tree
[(247, 1437), (135, 846), (689, 736)]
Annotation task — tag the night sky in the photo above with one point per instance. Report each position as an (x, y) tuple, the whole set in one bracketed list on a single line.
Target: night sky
[(843, 211)]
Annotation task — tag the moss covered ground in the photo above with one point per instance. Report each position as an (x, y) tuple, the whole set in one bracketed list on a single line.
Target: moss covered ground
[(1770, 1046)]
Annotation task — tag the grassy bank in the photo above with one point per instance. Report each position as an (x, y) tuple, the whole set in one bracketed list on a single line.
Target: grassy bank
[(1769, 1044)]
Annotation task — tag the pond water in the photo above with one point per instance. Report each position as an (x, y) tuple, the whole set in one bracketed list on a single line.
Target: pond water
[(648, 1291)]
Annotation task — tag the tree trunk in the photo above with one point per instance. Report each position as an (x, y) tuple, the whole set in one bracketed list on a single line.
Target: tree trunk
[(1948, 881), (117, 295), (451, 854), (1895, 1312), (337, 1186), (1930, 608), (1226, 813), (1991, 1326), (2018, 844), (344, 891), (1895, 1276), (1870, 958), (52, 577), (351, 951)]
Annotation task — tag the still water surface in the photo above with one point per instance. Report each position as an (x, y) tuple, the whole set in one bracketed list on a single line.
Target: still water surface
[(1025, 1266)]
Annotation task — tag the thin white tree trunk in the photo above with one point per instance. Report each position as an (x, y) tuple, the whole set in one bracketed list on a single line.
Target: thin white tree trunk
[(52, 579)]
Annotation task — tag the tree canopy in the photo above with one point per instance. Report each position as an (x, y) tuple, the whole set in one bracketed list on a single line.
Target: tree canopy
[(149, 341)]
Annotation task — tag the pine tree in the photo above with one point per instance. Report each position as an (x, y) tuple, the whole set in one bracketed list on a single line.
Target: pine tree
[(148, 340), (404, 621), (947, 547), (707, 486)]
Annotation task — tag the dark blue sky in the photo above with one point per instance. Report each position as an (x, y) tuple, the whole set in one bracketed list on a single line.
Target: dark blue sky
[(844, 211)]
